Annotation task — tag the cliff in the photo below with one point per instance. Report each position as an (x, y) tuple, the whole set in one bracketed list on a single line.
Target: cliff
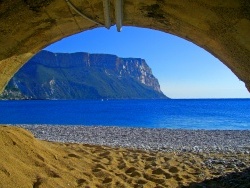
[(83, 76)]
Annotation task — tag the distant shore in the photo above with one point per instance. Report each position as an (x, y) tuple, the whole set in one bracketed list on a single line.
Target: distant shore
[(167, 140)]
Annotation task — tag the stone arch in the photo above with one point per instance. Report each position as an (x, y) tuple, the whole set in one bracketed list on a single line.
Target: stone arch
[(220, 27)]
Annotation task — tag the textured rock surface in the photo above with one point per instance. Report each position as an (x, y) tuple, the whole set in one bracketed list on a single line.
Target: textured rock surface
[(83, 76), (220, 27)]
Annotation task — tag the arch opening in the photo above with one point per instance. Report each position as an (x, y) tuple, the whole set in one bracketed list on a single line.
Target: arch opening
[(183, 69), (218, 27)]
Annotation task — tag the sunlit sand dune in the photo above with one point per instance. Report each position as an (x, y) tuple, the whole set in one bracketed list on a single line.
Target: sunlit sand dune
[(28, 162)]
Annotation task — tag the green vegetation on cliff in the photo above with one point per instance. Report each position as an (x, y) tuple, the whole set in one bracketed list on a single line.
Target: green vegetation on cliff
[(83, 76)]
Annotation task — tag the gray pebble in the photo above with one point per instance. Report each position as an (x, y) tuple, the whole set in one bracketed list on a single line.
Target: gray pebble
[(206, 141)]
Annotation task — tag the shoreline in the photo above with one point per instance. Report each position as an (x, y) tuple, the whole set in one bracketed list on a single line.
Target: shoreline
[(58, 161), (167, 140)]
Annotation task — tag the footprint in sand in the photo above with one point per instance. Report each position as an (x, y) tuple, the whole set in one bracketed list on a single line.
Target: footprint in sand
[(150, 159), (104, 154), (52, 174), (160, 171), (100, 166), (122, 165), (138, 186), (74, 155), (130, 170), (107, 180), (81, 182), (187, 177), (147, 166), (38, 182), (70, 168), (122, 176), (141, 182), (154, 179), (96, 160), (40, 157), (135, 174), (173, 169), (100, 171), (120, 184), (177, 178), (96, 170), (105, 157), (166, 159), (39, 164), (5, 171)]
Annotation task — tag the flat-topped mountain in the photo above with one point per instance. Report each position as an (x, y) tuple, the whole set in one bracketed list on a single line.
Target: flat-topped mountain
[(83, 76)]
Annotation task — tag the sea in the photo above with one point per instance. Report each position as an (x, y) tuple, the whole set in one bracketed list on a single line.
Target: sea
[(206, 114)]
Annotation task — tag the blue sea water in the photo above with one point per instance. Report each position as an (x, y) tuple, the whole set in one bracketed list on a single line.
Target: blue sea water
[(209, 114)]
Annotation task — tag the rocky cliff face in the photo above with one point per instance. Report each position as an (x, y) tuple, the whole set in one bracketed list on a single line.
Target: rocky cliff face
[(83, 76)]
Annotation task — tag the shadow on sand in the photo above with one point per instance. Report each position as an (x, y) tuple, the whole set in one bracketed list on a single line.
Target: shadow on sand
[(232, 180)]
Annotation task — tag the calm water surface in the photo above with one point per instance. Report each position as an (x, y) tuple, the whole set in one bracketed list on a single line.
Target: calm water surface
[(185, 114)]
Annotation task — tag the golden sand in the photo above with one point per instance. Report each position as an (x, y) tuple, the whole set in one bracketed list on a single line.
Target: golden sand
[(29, 162)]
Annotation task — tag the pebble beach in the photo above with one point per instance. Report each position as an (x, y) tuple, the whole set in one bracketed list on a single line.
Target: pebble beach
[(168, 140)]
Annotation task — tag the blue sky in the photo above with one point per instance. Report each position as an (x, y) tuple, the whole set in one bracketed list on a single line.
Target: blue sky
[(183, 69)]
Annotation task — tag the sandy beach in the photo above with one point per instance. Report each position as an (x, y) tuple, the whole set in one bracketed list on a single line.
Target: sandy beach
[(101, 157)]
